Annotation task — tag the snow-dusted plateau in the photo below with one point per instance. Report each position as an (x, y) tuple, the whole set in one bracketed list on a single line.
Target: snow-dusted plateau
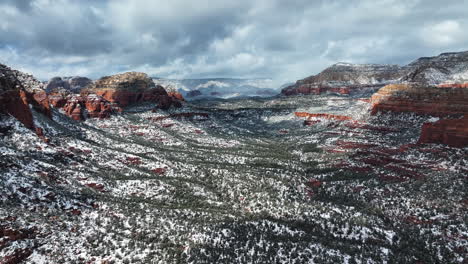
[(112, 176)]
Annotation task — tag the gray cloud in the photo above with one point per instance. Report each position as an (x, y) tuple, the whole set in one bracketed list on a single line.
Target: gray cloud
[(284, 40)]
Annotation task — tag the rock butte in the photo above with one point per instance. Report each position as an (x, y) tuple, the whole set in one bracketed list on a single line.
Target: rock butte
[(421, 99), (429, 100), (132, 87), (110, 94)]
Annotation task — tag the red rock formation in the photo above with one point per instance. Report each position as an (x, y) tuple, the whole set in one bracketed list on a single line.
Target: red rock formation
[(40, 102), (453, 85), (133, 87), (15, 103), (176, 95), (58, 99), (441, 101), (452, 132), (95, 106), (426, 100), (321, 115)]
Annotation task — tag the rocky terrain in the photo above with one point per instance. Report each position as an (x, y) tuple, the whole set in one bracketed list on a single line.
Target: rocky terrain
[(291, 179), (346, 78), (451, 68)]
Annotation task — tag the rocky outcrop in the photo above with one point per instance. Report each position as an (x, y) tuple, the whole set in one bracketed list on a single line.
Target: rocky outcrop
[(442, 101), (346, 78), (131, 87), (452, 132), (70, 84), (314, 118), (82, 107), (17, 92), (421, 99), (176, 95)]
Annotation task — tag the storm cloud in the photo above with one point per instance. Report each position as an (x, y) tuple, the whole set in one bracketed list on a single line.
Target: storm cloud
[(283, 40)]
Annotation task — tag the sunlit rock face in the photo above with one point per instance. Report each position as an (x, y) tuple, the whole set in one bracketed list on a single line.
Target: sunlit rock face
[(130, 88), (421, 99), (346, 78), (429, 100)]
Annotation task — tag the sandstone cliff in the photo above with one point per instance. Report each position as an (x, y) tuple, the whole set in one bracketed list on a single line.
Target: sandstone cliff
[(421, 99), (17, 92), (132, 87), (429, 100)]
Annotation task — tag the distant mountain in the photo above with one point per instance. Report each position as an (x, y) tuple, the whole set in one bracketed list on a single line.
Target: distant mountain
[(347, 78), (451, 67), (225, 88)]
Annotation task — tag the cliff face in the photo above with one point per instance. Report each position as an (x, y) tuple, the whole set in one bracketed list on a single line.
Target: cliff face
[(132, 87), (421, 99), (429, 100), (344, 78), (452, 132), (17, 92)]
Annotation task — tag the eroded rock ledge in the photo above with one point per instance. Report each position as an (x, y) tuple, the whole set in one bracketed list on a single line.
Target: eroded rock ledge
[(445, 101)]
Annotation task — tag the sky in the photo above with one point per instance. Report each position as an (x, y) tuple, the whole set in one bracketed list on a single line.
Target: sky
[(284, 40)]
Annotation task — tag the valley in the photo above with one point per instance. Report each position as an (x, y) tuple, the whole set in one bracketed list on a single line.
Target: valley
[(221, 180)]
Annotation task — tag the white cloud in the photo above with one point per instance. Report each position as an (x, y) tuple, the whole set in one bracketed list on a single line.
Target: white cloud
[(443, 33), (285, 40)]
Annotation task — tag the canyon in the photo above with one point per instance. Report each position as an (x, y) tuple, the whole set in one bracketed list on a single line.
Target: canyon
[(124, 169)]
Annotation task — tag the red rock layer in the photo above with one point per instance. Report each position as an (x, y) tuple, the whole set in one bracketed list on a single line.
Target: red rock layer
[(427, 100), (133, 87), (125, 97), (439, 101), (325, 116), (453, 85), (452, 132)]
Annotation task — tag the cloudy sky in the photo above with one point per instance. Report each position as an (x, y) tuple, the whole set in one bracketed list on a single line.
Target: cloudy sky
[(280, 39)]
